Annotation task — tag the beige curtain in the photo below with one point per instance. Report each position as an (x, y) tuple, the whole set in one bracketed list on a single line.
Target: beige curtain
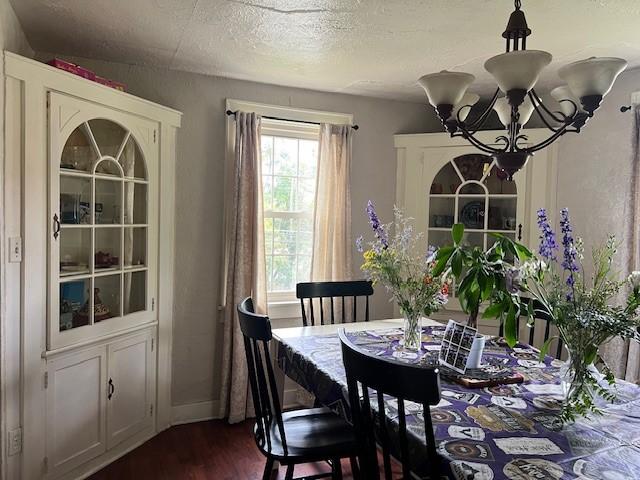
[(245, 261), (331, 258), (632, 371), (623, 356)]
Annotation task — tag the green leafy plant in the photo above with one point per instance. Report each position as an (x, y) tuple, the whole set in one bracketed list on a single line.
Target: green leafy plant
[(485, 276)]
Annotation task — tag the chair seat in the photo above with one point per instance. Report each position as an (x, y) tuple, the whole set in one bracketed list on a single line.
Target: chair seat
[(313, 433)]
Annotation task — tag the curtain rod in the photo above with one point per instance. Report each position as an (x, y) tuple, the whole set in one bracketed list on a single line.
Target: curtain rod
[(231, 112)]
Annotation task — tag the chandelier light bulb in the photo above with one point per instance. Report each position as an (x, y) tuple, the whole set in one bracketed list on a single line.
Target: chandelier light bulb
[(503, 109), (563, 93), (464, 107)]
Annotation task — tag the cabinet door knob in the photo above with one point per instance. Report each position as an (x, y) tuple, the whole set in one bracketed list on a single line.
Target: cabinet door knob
[(520, 232), (56, 226), (112, 389)]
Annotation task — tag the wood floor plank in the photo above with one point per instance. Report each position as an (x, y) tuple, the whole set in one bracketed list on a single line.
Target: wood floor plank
[(212, 450)]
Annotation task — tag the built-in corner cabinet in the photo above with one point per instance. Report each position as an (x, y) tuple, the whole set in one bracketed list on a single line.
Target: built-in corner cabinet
[(442, 181), (97, 266)]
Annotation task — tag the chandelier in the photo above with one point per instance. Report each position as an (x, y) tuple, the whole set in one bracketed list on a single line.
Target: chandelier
[(516, 73)]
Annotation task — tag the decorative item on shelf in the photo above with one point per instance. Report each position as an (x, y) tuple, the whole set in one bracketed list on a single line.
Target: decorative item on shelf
[(585, 312), (472, 214), (509, 223), (480, 275), (70, 208), (407, 274), (77, 153), (516, 72), (461, 347), (105, 260), (84, 213), (72, 68), (111, 83), (98, 212), (100, 311)]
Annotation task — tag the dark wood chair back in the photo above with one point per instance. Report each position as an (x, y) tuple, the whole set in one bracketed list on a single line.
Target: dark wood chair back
[(256, 330), (538, 314), (397, 379), (329, 293)]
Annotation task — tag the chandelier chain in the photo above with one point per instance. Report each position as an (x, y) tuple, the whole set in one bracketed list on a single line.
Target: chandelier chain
[(518, 4)]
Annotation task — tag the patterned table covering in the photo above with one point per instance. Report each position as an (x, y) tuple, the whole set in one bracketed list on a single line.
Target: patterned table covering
[(505, 432)]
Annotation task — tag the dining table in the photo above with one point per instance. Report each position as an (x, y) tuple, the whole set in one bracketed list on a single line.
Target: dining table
[(504, 431)]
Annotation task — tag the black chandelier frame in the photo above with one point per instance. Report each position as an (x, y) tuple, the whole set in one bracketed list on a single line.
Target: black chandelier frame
[(511, 156)]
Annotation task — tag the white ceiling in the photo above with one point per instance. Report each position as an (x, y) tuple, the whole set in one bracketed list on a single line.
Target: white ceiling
[(366, 47)]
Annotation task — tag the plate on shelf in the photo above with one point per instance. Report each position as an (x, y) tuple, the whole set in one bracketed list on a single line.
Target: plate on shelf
[(472, 215)]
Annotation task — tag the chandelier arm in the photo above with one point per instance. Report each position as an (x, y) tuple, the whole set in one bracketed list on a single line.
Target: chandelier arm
[(551, 139), (544, 120), (479, 122), (477, 143), (536, 101)]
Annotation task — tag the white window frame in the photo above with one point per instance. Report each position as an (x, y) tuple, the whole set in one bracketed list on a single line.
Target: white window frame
[(283, 306)]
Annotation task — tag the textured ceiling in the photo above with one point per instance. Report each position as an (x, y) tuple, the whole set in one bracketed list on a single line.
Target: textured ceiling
[(366, 47)]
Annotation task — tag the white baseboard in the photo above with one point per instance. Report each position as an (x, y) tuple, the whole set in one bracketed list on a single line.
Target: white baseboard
[(195, 412)]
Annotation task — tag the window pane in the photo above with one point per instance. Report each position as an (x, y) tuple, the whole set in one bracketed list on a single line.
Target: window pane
[(283, 273), (286, 156), (267, 155), (268, 235), (267, 192), (308, 158), (283, 194), (304, 268), (306, 194), (284, 236)]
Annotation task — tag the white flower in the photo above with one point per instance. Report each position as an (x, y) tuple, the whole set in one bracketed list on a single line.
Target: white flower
[(634, 279), (530, 268)]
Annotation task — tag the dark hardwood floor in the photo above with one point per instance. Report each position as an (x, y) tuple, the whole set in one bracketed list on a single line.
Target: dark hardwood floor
[(212, 450)]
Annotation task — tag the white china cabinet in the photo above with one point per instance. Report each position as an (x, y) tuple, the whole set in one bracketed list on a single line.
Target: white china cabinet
[(442, 181), (97, 168)]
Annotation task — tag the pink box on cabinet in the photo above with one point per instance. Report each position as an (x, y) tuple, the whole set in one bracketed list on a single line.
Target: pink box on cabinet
[(72, 68)]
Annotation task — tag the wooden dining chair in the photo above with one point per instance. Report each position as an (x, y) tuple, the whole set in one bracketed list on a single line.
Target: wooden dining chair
[(405, 382), (332, 292), (538, 314), (292, 437)]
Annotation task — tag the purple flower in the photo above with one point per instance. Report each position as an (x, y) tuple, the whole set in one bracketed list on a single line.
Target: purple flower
[(569, 250), (376, 226), (359, 244), (548, 244)]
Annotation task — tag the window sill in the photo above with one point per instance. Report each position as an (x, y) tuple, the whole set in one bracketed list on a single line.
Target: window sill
[(285, 309)]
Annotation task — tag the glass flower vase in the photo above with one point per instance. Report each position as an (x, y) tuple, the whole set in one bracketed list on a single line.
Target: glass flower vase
[(412, 331)]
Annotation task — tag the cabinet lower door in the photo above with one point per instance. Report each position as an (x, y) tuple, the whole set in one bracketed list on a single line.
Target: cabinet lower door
[(130, 388), (76, 417)]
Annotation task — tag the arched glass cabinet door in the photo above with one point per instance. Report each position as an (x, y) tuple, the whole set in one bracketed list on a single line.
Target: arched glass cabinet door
[(100, 231), (471, 190)]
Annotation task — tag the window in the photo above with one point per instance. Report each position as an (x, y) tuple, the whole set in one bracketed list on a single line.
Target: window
[(289, 164)]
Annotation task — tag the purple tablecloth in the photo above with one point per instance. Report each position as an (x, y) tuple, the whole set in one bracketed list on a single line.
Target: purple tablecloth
[(506, 432)]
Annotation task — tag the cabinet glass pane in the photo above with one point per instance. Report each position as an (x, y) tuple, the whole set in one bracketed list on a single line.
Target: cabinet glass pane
[(108, 167), (497, 182), (472, 165), (74, 304), (78, 152), (135, 203), (75, 250), (108, 201), (132, 161), (135, 292), (109, 136), (502, 213), (447, 181), (439, 238), (472, 189), (106, 299), (473, 239), (75, 200), (135, 246), (471, 212), (441, 212), (107, 251)]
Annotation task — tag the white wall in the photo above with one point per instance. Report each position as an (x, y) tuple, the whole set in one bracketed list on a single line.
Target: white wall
[(12, 38), (199, 195)]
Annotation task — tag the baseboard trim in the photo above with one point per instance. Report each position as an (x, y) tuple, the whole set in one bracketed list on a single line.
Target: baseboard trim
[(195, 412)]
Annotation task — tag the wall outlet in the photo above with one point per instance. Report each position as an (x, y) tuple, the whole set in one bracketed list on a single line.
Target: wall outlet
[(15, 441)]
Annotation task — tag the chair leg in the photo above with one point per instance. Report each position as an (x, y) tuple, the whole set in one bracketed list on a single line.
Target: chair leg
[(336, 469), (268, 469), (355, 469), (289, 474)]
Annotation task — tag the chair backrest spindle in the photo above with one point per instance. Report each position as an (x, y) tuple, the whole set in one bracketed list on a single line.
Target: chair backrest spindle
[(327, 291)]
